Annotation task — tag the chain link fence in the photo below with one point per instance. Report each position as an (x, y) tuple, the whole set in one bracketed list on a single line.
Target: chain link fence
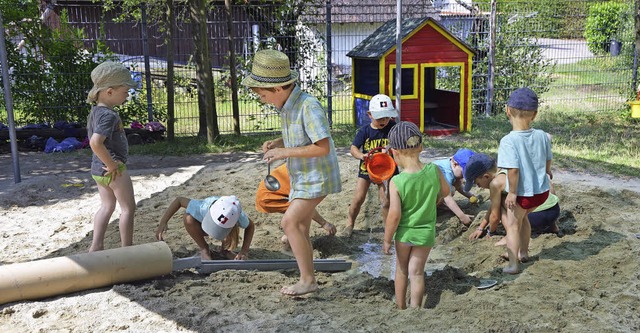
[(543, 44)]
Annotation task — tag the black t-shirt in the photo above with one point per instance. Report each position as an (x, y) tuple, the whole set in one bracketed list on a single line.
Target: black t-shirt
[(368, 138)]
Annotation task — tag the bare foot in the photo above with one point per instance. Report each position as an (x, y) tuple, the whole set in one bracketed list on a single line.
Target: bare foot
[(299, 289), (206, 254), (511, 270), (502, 242), (522, 257), (228, 254), (285, 243), (348, 231)]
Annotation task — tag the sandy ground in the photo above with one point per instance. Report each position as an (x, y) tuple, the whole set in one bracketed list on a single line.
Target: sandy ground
[(586, 281)]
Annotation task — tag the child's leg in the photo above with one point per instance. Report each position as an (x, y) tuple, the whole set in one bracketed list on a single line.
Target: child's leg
[(123, 191), (362, 186), (101, 219), (383, 195), (194, 229), (403, 252), (296, 223), (525, 238), (417, 260), (514, 224)]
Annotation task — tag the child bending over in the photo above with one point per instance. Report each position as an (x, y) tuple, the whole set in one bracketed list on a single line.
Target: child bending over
[(218, 217)]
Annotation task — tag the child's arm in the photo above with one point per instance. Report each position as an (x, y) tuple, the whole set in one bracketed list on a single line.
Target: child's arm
[(393, 217), (97, 146), (453, 206), (459, 186), (494, 214), (270, 144), (179, 202), (549, 169), (246, 242), (513, 175), (316, 149), (445, 189), (356, 153)]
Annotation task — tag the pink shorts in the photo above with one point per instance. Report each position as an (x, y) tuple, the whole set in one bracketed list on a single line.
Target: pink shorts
[(532, 202)]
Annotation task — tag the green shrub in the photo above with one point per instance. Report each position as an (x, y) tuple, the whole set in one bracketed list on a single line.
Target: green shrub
[(51, 73), (602, 25)]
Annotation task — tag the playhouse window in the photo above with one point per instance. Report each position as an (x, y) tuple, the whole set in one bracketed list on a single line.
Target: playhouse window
[(409, 79)]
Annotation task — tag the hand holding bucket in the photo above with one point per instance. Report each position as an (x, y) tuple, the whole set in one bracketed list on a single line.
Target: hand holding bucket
[(380, 166)]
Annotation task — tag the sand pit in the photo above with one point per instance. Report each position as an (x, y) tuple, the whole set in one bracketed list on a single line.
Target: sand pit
[(586, 281)]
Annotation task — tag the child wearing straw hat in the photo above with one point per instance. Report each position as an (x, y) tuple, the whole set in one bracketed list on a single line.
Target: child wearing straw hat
[(370, 137), (111, 84), (307, 145), (413, 196)]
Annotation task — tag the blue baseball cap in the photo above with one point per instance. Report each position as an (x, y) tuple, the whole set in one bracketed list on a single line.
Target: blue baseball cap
[(477, 165), (462, 157), (523, 99)]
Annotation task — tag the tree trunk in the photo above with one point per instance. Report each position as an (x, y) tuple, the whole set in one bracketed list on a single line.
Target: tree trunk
[(232, 68), (204, 78)]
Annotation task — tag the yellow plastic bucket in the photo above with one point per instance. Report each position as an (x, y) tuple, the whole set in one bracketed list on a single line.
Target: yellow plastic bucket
[(635, 109)]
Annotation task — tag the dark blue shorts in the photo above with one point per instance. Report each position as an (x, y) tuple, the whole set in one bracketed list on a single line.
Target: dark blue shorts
[(542, 221)]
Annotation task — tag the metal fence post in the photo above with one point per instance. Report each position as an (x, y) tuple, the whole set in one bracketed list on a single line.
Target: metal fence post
[(9, 104), (491, 58), (329, 67), (398, 56), (147, 66), (636, 46)]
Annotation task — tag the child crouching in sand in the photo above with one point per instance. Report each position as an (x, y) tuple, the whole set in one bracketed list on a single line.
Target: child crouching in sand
[(413, 194), (218, 217)]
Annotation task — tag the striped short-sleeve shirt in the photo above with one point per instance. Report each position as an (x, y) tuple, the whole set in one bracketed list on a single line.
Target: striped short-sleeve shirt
[(304, 122)]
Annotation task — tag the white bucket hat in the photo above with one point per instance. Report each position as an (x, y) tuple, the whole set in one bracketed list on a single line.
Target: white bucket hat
[(107, 75), (381, 106), (270, 69)]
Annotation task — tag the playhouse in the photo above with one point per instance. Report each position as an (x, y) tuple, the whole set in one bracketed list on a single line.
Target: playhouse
[(436, 75)]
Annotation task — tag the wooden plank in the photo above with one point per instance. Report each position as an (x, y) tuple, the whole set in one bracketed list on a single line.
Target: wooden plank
[(324, 265)]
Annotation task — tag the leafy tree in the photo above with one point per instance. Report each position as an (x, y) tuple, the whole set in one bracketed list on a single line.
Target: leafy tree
[(49, 66)]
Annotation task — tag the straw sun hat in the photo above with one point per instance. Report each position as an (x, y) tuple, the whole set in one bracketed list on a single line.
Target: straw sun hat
[(270, 69), (107, 75)]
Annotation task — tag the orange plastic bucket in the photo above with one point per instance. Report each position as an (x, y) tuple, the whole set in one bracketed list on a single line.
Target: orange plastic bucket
[(380, 166)]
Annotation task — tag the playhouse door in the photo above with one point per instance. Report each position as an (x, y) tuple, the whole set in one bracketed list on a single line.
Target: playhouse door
[(440, 98)]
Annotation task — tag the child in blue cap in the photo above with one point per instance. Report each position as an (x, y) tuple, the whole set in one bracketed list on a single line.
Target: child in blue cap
[(453, 170), (526, 155)]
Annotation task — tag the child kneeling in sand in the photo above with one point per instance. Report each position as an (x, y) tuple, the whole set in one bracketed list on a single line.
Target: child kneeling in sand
[(218, 217), (413, 194)]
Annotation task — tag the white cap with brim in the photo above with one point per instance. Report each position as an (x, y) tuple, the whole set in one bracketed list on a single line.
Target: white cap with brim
[(222, 217), (107, 75), (380, 106)]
